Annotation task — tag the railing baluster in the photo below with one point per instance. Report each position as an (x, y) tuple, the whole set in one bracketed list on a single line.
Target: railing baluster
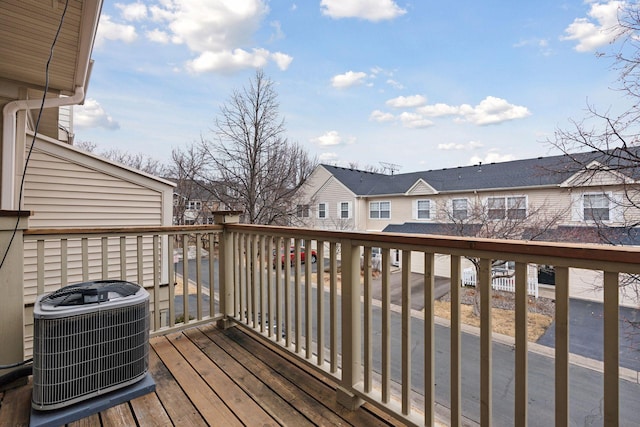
[(105, 257), (264, 315), (456, 397), (562, 346), (287, 291), (269, 260), (367, 314), (185, 278), (156, 282), (308, 318), (429, 340), (484, 286), (333, 307), (40, 258), (64, 260), (140, 259), (172, 279), (278, 274), (252, 262), (320, 303), (406, 332), (521, 363), (123, 257), (84, 242), (212, 288), (297, 305), (198, 261), (611, 348), (386, 325), (242, 282)]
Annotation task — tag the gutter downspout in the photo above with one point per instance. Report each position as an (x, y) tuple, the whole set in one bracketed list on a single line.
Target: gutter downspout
[(9, 113)]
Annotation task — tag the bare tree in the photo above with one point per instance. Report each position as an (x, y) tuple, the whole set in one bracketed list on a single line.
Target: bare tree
[(252, 157), (501, 218), (612, 138), (139, 161)]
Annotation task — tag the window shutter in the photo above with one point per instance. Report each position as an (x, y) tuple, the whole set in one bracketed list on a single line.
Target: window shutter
[(414, 209), (577, 207)]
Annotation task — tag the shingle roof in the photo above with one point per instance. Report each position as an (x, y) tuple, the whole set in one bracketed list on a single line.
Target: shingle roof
[(541, 171)]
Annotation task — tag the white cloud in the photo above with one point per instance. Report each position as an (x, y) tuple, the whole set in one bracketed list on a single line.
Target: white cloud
[(407, 101), (332, 138), (413, 120), (371, 10), (438, 110), (220, 33), (590, 35), (381, 116), (395, 84), (133, 11), (471, 145), (348, 79), (492, 110), (492, 157), (158, 36), (327, 157), (92, 115), (109, 30)]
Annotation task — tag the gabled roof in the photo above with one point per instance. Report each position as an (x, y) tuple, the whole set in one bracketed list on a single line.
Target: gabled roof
[(537, 172)]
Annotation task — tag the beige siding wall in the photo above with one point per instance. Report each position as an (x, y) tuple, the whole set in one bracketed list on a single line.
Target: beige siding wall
[(65, 188), (323, 188)]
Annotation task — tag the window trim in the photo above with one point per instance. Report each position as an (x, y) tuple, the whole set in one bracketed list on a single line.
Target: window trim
[(379, 210)]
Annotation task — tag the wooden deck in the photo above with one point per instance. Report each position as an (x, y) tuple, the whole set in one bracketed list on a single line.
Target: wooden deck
[(206, 376)]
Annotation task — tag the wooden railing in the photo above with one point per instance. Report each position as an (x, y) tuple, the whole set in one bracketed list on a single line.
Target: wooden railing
[(325, 313)]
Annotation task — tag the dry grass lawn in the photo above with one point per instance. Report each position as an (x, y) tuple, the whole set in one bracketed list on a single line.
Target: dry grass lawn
[(503, 321)]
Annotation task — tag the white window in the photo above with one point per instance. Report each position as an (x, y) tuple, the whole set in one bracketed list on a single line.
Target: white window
[(194, 205), (459, 208), (344, 210), (302, 211), (596, 207), (514, 207), (322, 210), (423, 209), (379, 210)]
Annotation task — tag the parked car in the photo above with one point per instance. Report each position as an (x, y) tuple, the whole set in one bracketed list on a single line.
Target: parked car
[(292, 257)]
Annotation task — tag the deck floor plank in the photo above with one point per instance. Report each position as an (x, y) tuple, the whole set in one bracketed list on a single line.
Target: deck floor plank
[(118, 416), (209, 404), (249, 412), (148, 411), (320, 389), (266, 396), (16, 407), (172, 397), (317, 399)]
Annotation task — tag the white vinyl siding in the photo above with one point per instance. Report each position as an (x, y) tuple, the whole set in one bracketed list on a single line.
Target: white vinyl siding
[(424, 209), (379, 210)]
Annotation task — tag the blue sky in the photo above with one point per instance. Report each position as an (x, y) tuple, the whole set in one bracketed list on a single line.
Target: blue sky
[(420, 84)]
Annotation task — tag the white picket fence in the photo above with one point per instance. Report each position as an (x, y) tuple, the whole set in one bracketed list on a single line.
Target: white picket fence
[(507, 284)]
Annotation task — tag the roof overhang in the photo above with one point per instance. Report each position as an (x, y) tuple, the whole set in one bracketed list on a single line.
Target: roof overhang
[(27, 33)]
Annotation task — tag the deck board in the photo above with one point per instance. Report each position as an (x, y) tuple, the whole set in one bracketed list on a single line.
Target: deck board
[(207, 376)]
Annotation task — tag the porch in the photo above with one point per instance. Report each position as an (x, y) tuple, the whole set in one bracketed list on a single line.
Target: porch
[(372, 357)]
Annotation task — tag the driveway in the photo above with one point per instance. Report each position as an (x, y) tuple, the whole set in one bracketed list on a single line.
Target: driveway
[(417, 288), (586, 320)]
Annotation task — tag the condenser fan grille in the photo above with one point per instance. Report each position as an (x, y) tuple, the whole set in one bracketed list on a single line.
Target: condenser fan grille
[(78, 356)]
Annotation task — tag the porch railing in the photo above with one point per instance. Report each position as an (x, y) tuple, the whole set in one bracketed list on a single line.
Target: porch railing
[(326, 313)]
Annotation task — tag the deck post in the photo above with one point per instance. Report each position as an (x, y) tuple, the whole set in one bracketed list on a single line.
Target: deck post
[(225, 262), (351, 328), (12, 224)]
